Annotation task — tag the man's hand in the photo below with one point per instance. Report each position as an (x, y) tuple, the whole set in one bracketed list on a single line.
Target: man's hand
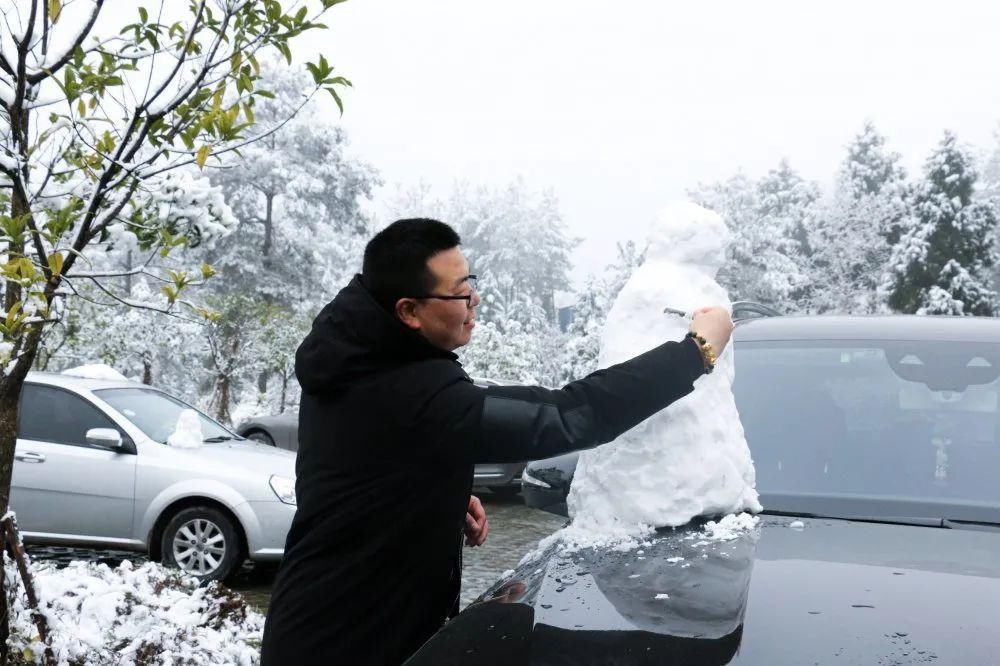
[(476, 525), (715, 325)]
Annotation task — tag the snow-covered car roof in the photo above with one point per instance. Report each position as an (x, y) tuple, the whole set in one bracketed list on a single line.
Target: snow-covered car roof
[(80, 383)]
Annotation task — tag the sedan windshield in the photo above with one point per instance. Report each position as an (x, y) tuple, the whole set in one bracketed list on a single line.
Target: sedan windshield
[(909, 420), (156, 413)]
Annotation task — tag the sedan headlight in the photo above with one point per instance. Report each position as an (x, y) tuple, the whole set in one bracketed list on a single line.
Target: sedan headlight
[(284, 488), (528, 479)]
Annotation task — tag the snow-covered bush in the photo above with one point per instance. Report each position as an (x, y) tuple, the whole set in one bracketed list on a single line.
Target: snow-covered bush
[(145, 615)]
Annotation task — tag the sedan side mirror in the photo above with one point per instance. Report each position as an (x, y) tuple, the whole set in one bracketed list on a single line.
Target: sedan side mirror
[(105, 438)]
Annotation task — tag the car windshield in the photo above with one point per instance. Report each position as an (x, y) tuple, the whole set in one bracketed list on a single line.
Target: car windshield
[(156, 413), (910, 420)]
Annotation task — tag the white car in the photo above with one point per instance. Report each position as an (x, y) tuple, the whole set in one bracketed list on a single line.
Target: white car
[(93, 468)]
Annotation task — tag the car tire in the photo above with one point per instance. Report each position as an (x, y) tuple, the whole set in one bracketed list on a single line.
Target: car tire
[(203, 542), (505, 492), (262, 437)]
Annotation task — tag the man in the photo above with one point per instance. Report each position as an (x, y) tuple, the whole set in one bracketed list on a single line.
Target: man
[(390, 428)]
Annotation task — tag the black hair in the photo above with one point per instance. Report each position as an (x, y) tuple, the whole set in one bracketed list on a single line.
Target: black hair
[(395, 264)]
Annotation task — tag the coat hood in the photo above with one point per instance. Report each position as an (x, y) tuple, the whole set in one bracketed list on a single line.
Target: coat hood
[(352, 337)]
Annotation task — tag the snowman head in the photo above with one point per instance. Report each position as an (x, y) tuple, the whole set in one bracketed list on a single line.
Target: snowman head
[(689, 234)]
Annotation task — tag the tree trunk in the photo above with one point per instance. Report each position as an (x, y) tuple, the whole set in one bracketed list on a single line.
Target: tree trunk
[(222, 387), (262, 381), (4, 620), (284, 392), (10, 393), (268, 228), (128, 277), (147, 370)]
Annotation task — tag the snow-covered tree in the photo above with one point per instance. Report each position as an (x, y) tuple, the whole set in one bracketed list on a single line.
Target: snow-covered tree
[(516, 236), (942, 262), (768, 256), (594, 301), (94, 133), (854, 231), (299, 200)]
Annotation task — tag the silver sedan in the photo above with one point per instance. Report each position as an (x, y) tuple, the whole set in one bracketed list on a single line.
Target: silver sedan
[(282, 431), (93, 467)]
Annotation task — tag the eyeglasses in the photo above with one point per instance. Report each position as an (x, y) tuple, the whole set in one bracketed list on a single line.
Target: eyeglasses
[(473, 284)]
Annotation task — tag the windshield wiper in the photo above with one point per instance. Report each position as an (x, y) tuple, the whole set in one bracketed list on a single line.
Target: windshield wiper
[(987, 525), (918, 521), (217, 439)]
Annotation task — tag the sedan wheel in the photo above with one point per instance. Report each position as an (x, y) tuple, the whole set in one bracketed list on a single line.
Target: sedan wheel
[(202, 542), (262, 437)]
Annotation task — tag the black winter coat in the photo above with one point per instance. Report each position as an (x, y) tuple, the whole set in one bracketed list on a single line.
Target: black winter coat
[(390, 429)]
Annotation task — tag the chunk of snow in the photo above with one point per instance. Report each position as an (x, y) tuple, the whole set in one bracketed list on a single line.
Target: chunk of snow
[(691, 458), (96, 371), (797, 525), (187, 434), (730, 527), (663, 596)]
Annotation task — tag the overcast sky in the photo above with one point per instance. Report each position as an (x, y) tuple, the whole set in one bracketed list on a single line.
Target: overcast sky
[(620, 106)]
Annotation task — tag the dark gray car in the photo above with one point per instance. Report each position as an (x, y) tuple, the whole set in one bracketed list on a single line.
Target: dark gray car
[(876, 442), (282, 431)]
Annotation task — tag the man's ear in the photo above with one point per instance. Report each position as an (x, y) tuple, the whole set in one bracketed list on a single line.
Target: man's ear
[(406, 311)]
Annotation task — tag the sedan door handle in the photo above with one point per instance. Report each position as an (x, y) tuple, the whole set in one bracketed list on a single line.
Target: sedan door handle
[(30, 457)]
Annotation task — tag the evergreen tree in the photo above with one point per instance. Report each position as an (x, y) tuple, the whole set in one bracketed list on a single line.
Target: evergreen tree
[(768, 256), (853, 235), (942, 262)]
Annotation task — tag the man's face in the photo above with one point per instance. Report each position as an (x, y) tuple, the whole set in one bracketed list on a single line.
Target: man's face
[(446, 324)]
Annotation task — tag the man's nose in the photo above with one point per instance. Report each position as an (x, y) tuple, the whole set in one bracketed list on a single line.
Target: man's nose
[(474, 301)]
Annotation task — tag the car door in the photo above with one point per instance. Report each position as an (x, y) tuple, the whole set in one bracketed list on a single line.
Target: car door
[(61, 485)]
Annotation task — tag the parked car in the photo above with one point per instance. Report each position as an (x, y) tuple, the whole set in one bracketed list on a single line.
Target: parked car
[(876, 442), (92, 468), (282, 431)]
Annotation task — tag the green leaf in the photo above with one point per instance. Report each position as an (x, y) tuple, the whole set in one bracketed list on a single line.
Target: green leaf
[(202, 156), (55, 9), (207, 271), (12, 314), (336, 98), (143, 14), (285, 51), (56, 263)]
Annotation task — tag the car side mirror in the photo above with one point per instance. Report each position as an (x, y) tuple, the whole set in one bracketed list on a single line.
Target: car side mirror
[(105, 438)]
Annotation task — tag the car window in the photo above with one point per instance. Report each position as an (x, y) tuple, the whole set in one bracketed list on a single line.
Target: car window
[(156, 413), (905, 419), (50, 414)]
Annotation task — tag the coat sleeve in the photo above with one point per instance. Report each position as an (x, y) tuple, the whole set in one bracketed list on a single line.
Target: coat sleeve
[(517, 423)]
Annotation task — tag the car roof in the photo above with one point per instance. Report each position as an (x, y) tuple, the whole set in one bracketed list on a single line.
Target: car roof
[(81, 383), (869, 327)]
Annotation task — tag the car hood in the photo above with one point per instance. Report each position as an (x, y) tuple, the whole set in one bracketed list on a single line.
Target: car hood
[(248, 455), (809, 591)]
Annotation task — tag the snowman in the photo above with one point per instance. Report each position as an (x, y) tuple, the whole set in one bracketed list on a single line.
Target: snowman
[(690, 459)]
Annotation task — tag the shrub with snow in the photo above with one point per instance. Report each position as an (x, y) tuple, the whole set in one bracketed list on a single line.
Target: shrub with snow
[(131, 615)]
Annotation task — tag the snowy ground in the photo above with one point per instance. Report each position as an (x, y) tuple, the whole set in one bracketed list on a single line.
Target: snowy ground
[(514, 531)]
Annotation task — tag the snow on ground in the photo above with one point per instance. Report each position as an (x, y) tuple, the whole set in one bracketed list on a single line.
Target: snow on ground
[(96, 371), (126, 615)]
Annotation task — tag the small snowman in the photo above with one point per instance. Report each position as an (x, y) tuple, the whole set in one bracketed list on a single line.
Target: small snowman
[(691, 458)]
